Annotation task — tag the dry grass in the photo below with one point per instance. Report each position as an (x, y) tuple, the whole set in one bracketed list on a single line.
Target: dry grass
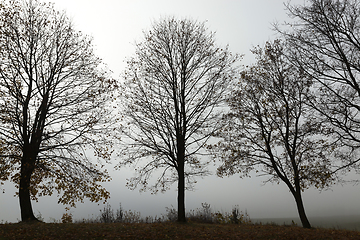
[(166, 230)]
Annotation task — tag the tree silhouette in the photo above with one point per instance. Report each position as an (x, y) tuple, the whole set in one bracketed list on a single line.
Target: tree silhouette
[(172, 89), (271, 130), (52, 101), (325, 42)]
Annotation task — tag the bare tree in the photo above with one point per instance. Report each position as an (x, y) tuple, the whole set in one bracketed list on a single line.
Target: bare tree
[(325, 43), (53, 111), (174, 85), (271, 130)]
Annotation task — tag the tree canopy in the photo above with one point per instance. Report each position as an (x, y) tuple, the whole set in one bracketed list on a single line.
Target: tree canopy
[(173, 87), (324, 42), (270, 129), (53, 97)]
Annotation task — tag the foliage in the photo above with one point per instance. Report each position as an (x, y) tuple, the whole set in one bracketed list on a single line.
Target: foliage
[(270, 128), (53, 97), (173, 87), (67, 218), (168, 231), (270, 125), (161, 90), (324, 42)]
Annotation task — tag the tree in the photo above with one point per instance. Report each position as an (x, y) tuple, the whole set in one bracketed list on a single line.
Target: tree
[(271, 130), (172, 89), (325, 43), (53, 99)]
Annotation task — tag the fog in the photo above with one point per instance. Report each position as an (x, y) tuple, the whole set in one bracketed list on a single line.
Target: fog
[(115, 25), (249, 194)]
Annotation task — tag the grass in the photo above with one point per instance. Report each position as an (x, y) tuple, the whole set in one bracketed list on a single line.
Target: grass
[(203, 223), (166, 230)]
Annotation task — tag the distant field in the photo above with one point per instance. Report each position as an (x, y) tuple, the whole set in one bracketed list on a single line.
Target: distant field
[(337, 222)]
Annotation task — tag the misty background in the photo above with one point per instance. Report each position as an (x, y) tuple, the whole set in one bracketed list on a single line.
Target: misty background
[(243, 24)]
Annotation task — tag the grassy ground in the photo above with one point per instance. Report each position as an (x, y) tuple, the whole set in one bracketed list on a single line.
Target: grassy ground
[(166, 230), (333, 222)]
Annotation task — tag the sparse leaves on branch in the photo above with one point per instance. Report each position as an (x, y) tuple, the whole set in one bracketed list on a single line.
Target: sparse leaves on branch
[(270, 128), (53, 97), (173, 87), (325, 42)]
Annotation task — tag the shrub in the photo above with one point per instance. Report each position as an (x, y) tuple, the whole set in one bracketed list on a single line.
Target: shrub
[(236, 217), (67, 218), (89, 220), (171, 214), (156, 219), (203, 215), (107, 215), (119, 214), (132, 217)]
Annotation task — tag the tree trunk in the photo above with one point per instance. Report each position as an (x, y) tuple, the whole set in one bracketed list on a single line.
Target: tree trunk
[(181, 194), (27, 168), (301, 210)]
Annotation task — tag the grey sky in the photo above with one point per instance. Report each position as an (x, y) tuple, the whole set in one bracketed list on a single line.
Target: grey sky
[(115, 25)]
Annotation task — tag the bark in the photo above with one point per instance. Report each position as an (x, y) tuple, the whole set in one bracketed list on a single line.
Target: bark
[(298, 199), (296, 192), (181, 196), (181, 181), (301, 210), (27, 168)]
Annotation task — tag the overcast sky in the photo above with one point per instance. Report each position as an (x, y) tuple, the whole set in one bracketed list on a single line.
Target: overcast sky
[(115, 26)]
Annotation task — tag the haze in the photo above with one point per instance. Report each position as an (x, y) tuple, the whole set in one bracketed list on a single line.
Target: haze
[(115, 26)]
